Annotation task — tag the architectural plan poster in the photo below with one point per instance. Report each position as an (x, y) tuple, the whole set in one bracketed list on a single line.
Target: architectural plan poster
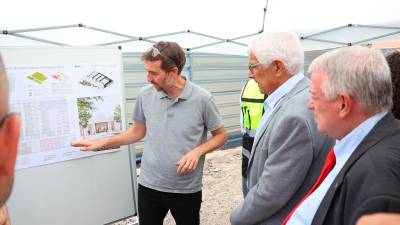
[(62, 103)]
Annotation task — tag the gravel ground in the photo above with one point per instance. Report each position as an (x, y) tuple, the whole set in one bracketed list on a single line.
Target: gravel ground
[(222, 183), (221, 188)]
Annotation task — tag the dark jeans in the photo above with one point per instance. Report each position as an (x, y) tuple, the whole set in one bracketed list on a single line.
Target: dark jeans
[(154, 205), (245, 189)]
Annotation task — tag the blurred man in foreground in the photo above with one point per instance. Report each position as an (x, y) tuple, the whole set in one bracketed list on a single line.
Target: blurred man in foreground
[(9, 136)]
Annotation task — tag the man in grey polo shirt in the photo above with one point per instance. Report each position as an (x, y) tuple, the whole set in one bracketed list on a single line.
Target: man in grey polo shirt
[(174, 115)]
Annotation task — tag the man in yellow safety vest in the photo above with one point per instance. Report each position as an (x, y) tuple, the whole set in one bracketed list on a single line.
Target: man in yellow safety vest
[(252, 106)]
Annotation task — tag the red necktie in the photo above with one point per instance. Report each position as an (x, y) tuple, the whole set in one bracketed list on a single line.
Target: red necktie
[(328, 166)]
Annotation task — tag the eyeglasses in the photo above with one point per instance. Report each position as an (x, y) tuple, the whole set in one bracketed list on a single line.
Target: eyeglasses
[(154, 52), (253, 66)]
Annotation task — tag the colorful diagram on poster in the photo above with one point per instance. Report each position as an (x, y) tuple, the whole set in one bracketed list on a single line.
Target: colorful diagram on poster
[(62, 103)]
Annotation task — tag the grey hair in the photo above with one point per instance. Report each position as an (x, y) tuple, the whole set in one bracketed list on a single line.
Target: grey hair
[(361, 72), (282, 46)]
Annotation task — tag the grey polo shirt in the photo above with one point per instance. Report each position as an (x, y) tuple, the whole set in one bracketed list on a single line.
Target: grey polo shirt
[(173, 128)]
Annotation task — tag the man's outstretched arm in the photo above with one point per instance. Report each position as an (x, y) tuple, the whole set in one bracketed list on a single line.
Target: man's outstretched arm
[(129, 136)]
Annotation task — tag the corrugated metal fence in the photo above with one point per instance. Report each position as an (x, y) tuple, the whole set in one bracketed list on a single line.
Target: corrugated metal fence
[(222, 75)]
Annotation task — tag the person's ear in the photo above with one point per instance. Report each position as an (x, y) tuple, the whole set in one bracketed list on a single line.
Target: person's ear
[(345, 104), (174, 71), (279, 67), (9, 136)]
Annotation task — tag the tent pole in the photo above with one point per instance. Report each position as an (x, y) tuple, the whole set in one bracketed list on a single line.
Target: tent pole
[(38, 39), (107, 31), (41, 29), (376, 37), (265, 12), (326, 31)]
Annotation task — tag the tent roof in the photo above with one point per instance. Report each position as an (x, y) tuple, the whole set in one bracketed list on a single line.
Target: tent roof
[(350, 34), (222, 26)]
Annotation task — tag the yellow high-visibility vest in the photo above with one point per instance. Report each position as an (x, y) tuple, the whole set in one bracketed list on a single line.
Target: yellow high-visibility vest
[(252, 106)]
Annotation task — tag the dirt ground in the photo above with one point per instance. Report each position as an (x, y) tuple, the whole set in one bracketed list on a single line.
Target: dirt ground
[(222, 188), (222, 183)]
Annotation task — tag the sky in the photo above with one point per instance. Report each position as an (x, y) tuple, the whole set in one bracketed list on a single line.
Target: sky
[(221, 18)]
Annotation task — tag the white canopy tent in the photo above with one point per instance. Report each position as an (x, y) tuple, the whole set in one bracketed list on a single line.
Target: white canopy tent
[(222, 27), (199, 26)]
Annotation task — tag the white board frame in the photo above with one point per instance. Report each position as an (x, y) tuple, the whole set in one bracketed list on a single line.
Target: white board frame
[(87, 191)]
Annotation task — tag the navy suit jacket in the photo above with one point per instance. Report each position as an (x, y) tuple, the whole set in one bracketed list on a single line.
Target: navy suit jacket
[(369, 181)]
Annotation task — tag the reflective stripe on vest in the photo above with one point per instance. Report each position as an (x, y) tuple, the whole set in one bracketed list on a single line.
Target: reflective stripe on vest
[(252, 106)]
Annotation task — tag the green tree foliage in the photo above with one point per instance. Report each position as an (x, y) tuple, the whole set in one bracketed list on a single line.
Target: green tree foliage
[(85, 108)]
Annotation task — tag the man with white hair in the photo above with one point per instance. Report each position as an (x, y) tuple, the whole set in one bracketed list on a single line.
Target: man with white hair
[(9, 136), (288, 151), (351, 93)]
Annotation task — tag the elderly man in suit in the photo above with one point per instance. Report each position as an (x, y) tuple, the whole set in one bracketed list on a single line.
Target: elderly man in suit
[(351, 96), (9, 135), (288, 150)]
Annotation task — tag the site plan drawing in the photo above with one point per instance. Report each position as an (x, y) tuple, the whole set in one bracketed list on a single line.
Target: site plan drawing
[(62, 103)]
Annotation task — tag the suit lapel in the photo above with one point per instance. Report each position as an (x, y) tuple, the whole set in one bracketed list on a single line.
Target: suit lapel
[(301, 85), (383, 128)]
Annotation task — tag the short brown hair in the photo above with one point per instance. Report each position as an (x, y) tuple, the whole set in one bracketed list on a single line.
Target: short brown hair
[(169, 53)]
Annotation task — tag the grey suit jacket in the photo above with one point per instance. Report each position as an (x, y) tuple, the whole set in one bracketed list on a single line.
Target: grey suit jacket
[(286, 159)]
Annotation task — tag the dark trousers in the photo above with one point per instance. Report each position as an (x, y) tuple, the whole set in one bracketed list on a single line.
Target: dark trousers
[(154, 205)]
